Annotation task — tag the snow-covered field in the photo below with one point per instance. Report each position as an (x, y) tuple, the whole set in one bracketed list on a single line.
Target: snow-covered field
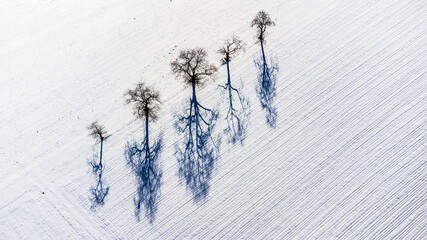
[(346, 160)]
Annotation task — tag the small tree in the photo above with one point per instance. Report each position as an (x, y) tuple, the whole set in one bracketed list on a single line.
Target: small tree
[(143, 159), (266, 88), (236, 127), (98, 192), (97, 132), (196, 155)]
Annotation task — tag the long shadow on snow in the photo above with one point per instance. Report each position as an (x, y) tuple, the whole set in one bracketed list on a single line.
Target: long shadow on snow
[(237, 112), (266, 87), (198, 151), (143, 161), (100, 190)]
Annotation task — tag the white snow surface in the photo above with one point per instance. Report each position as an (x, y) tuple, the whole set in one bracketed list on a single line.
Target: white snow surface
[(347, 159)]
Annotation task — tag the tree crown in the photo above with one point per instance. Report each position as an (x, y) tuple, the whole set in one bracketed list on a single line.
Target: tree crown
[(231, 48), (261, 21), (97, 131), (192, 66), (145, 101)]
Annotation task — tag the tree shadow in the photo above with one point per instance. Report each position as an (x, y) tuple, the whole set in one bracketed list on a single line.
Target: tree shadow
[(198, 151), (143, 160), (266, 87), (237, 114), (99, 191)]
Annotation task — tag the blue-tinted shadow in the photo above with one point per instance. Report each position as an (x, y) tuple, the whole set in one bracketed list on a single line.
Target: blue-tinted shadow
[(144, 162), (266, 87), (237, 112), (98, 192), (197, 151)]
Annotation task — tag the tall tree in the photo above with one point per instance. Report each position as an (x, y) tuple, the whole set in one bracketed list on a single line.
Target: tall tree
[(266, 88), (197, 154), (236, 115), (143, 158)]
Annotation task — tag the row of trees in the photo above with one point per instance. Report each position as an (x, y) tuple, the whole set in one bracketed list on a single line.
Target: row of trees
[(197, 152)]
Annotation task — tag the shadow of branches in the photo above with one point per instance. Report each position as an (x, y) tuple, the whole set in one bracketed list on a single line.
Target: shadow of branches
[(266, 87), (198, 150), (237, 114), (143, 161), (99, 191)]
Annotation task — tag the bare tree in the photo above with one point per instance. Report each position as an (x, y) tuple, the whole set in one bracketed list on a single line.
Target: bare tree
[(231, 48), (100, 191), (266, 88), (146, 104), (143, 158), (261, 21), (196, 155), (97, 132), (236, 115), (192, 67)]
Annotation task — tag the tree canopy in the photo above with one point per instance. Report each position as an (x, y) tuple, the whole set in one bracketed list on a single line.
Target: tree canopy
[(261, 21), (145, 101), (97, 131), (192, 66)]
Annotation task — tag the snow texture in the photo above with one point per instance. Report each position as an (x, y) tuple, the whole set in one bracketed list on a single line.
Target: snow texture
[(346, 159)]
